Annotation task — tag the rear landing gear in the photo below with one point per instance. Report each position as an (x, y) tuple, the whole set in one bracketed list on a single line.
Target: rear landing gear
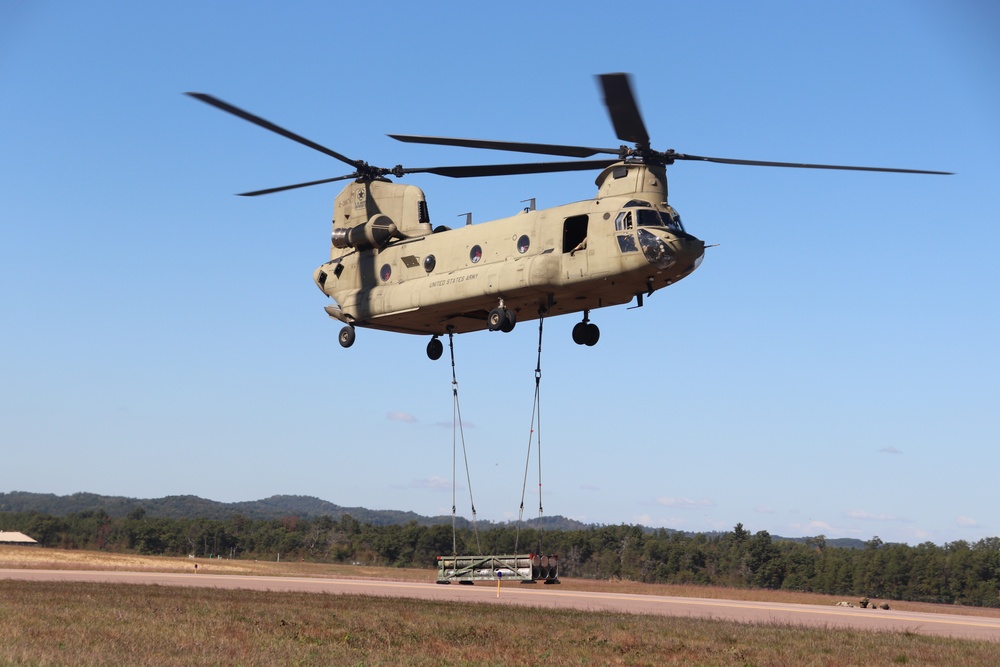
[(501, 319), (586, 332), (346, 336)]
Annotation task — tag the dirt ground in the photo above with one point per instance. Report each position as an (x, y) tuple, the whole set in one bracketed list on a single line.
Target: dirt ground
[(15, 557)]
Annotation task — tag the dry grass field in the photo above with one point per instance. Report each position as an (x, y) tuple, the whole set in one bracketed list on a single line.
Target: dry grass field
[(45, 623), (120, 624)]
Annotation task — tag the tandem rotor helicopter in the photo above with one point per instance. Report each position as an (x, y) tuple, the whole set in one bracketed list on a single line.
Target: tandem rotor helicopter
[(390, 269)]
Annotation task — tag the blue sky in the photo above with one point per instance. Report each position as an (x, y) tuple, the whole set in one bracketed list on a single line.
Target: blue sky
[(832, 368)]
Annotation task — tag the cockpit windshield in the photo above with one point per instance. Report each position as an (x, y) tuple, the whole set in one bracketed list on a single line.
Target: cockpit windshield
[(648, 217)]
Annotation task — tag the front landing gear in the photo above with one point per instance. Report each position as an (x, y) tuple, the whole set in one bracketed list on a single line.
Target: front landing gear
[(586, 332), (346, 337), (435, 348)]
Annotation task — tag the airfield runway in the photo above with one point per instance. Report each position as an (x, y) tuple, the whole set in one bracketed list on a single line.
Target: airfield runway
[(964, 627)]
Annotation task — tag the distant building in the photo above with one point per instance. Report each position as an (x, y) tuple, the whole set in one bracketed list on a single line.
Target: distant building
[(14, 538)]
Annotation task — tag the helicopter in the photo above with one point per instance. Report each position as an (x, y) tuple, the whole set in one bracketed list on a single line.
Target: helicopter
[(390, 269)]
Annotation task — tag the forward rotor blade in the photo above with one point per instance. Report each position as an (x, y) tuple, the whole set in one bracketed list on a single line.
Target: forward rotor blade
[(268, 191), (513, 169), (623, 109), (268, 125), (515, 146), (799, 165)]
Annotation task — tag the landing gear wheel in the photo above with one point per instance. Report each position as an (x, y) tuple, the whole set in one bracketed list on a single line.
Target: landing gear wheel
[(501, 319), (496, 319), (586, 333), (434, 349), (346, 337), (510, 319)]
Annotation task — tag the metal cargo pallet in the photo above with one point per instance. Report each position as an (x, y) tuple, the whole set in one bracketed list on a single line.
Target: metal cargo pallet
[(527, 569)]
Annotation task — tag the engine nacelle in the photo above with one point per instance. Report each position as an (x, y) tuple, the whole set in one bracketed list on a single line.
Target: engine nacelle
[(375, 233)]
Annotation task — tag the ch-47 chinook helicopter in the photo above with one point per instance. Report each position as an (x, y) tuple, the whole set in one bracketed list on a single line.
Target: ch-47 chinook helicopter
[(390, 269)]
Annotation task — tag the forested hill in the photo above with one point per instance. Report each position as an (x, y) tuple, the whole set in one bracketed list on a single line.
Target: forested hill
[(275, 507), (193, 507)]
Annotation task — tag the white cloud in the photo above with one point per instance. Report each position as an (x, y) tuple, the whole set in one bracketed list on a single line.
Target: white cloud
[(764, 509), (433, 483), (401, 417), (919, 533), (817, 527), (684, 503), (871, 516), (966, 522), (821, 525)]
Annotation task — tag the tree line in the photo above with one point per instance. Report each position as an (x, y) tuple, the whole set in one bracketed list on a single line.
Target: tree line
[(955, 573)]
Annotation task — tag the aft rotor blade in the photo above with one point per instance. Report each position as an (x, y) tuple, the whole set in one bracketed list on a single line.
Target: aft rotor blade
[(513, 169), (623, 109), (516, 146), (268, 125), (799, 165), (268, 191)]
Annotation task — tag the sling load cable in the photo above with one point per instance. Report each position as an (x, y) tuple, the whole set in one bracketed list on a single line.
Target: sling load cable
[(536, 410), (456, 430)]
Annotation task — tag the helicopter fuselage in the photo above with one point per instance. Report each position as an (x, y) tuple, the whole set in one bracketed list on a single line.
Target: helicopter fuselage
[(625, 243)]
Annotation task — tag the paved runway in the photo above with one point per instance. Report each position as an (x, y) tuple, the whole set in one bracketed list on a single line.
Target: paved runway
[(965, 627)]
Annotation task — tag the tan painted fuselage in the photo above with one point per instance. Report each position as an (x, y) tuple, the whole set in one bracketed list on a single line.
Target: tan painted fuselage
[(389, 270)]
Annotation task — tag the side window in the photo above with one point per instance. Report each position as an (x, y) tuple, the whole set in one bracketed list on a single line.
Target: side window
[(626, 243), (574, 232), (623, 221)]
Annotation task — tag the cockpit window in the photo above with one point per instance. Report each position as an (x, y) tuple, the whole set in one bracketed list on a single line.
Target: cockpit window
[(648, 217), (677, 221), (636, 202), (623, 221)]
